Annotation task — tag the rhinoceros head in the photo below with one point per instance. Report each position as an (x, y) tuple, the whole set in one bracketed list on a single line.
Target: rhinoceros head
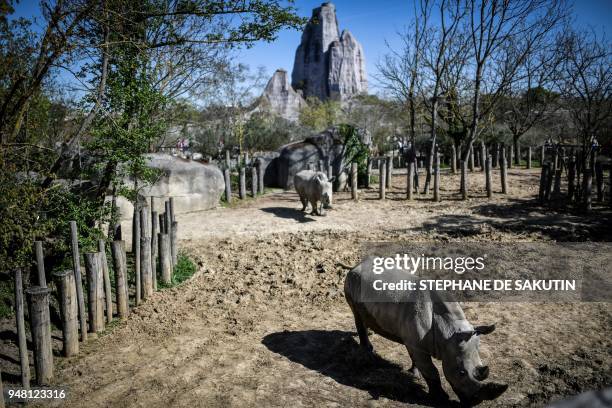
[(326, 191), (464, 370)]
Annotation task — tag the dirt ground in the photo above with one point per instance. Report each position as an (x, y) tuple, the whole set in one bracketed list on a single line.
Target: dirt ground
[(264, 321)]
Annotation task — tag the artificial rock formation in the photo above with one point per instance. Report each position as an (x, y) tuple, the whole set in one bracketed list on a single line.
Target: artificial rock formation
[(281, 98), (328, 65)]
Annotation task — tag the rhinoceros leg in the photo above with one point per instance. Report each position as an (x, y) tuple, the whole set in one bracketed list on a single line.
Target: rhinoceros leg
[(430, 374), (413, 369), (315, 210), (304, 201), (362, 331)]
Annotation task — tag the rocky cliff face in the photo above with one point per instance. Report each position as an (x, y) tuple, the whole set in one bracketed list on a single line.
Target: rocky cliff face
[(281, 98), (328, 65)]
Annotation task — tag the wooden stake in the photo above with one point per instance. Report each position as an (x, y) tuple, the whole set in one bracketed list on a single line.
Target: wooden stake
[(488, 176), (464, 182), (108, 295), (242, 190), (146, 270), (136, 252), (40, 263), (368, 173), (76, 265), (121, 285), (453, 158), (174, 243), (154, 246), (21, 333), (471, 158), (165, 261), (382, 175), (69, 310), (253, 181), (410, 181), (504, 172), (228, 186), (354, 181), (260, 176), (40, 326), (389, 171), (95, 282)]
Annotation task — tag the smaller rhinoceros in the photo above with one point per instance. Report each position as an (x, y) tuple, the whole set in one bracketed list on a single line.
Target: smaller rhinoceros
[(314, 188), (428, 327)]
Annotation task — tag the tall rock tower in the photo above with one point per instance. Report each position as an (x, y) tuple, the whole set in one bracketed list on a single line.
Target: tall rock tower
[(328, 65)]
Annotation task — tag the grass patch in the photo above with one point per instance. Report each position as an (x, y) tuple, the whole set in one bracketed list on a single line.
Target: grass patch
[(185, 268)]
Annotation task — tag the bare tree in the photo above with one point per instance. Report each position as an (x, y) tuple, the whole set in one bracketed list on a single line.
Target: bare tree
[(531, 98), (587, 72), (444, 47), (502, 34)]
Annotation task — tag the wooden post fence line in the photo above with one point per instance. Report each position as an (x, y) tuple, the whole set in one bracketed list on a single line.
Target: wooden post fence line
[(436, 196), (242, 189), (136, 253), (382, 170), (253, 181), (503, 165), (464, 181), (488, 171), (228, 186), (154, 246), (146, 269), (165, 261), (410, 181), (354, 181)]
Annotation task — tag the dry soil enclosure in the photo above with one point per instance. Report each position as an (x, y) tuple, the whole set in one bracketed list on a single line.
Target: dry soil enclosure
[(264, 321)]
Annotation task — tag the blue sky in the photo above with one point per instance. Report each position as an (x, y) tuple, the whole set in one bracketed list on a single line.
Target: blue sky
[(372, 22), (375, 22)]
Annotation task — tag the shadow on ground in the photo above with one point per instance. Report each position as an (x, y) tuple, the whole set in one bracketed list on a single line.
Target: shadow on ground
[(337, 355), (288, 213), (525, 217)]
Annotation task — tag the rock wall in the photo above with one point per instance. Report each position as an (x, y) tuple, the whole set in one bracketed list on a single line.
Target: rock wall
[(195, 187)]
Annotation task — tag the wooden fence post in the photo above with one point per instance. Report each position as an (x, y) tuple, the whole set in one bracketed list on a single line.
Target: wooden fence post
[(69, 310), (24, 360), (382, 175), (599, 175), (76, 265), (330, 172), (93, 267), (529, 157), (503, 166), (488, 176), (542, 155), (108, 295), (388, 171), (322, 166), (368, 173), (354, 181), (154, 246), (2, 404), (174, 244), (510, 156), (40, 326), (541, 191), (242, 189), (40, 263), (228, 186), (549, 181), (121, 285), (453, 158), (410, 181), (228, 161), (253, 181), (145, 255), (165, 261), (260, 176), (464, 183), (436, 196), (483, 157), (136, 252)]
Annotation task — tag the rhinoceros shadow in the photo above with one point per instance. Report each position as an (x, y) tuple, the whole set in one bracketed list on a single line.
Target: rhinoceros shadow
[(289, 213), (337, 355)]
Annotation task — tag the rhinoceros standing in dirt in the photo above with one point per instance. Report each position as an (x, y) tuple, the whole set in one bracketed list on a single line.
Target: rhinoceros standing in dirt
[(314, 188), (428, 327)]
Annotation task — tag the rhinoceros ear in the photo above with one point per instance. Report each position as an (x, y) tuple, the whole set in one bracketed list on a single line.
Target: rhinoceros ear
[(463, 335), (482, 330)]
